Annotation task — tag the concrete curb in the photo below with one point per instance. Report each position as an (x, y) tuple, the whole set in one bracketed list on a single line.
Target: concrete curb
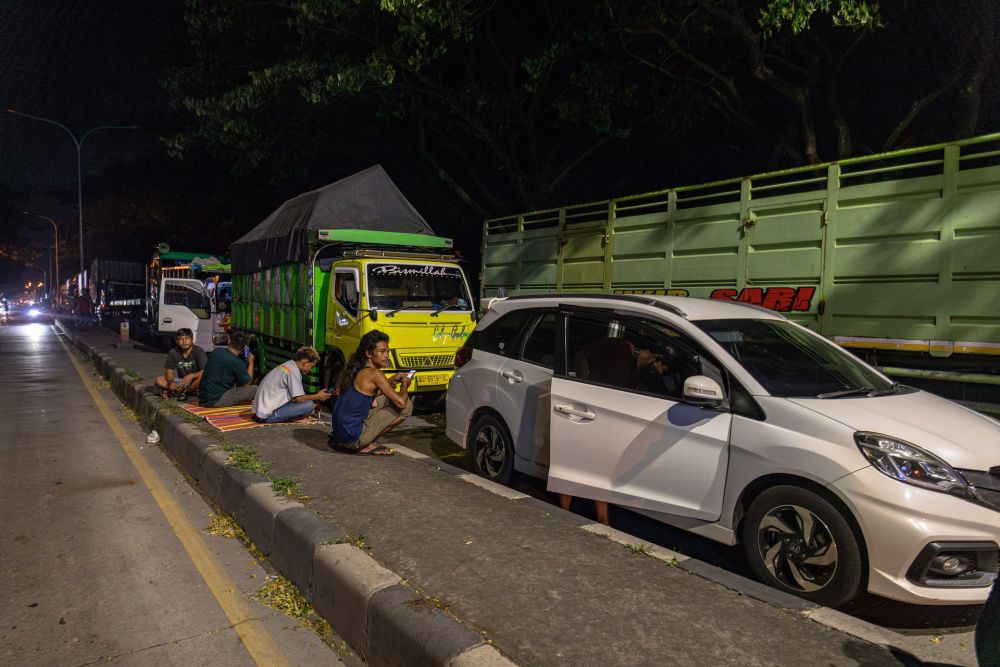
[(366, 604)]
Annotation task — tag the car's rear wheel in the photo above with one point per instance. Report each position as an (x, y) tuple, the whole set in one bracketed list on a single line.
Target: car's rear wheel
[(797, 541), (492, 449)]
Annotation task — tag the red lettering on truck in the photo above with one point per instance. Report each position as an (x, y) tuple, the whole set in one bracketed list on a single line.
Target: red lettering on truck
[(780, 299)]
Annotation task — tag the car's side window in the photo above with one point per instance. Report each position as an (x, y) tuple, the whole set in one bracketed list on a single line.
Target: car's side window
[(501, 336), (630, 354), (540, 344)]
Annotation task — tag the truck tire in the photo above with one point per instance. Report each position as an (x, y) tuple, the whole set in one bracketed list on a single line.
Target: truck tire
[(797, 541)]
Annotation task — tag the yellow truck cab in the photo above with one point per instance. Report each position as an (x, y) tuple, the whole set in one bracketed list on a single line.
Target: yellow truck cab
[(420, 299), (333, 264)]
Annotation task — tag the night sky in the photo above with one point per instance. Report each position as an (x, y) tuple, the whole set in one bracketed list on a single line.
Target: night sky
[(86, 64)]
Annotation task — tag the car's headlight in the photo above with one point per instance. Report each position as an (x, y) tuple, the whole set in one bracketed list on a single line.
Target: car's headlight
[(908, 463), (34, 312)]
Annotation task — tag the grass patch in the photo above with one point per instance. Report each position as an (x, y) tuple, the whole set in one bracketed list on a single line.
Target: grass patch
[(223, 525), (245, 458), (279, 593), (173, 408), (354, 540), (129, 414), (134, 374), (282, 595), (288, 486), (641, 549)]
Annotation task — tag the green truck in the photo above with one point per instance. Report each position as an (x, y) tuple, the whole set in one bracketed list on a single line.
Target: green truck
[(330, 265), (895, 256)]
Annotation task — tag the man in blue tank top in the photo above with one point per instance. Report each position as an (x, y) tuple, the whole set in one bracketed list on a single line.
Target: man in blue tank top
[(367, 405)]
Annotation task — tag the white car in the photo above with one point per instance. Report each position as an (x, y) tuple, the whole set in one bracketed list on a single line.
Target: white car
[(734, 423)]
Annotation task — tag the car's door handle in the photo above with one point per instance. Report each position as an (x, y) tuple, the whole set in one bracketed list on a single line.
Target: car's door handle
[(168, 320), (573, 412), (513, 376)]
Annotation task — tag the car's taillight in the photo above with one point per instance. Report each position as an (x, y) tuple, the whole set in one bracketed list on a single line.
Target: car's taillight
[(463, 356)]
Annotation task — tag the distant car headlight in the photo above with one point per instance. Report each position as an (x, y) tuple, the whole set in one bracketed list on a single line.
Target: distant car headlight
[(908, 463), (34, 312)]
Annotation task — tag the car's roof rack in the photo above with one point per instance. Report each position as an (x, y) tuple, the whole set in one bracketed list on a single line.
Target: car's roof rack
[(633, 298)]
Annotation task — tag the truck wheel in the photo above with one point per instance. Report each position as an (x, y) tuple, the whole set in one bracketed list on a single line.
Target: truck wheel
[(492, 449), (797, 541)]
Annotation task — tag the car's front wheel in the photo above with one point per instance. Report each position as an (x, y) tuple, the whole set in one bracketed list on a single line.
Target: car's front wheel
[(797, 541), (492, 449)]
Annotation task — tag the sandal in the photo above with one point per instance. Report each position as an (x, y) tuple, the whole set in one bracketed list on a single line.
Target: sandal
[(381, 450)]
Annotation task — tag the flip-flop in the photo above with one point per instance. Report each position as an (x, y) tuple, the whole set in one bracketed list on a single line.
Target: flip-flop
[(378, 451), (337, 447)]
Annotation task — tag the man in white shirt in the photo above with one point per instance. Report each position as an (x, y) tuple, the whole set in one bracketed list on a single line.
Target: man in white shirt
[(280, 396)]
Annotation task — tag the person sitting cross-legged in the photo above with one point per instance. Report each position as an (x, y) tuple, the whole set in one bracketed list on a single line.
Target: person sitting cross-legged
[(184, 366), (227, 377), (367, 406), (280, 396)]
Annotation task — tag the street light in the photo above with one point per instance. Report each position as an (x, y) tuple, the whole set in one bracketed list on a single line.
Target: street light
[(79, 172), (55, 228)]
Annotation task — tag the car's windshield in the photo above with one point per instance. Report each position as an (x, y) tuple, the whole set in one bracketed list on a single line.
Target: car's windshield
[(791, 362), (417, 287)]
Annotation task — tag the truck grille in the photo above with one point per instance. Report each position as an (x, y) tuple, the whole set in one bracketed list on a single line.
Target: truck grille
[(426, 360)]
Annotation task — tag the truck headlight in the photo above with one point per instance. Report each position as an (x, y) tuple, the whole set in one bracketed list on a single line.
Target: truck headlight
[(908, 463)]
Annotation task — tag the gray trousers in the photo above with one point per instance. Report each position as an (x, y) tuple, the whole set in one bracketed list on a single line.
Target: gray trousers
[(235, 396)]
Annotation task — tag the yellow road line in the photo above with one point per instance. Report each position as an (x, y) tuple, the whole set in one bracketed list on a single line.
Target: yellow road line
[(255, 637)]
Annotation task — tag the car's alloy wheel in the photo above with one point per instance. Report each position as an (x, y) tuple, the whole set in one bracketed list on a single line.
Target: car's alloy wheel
[(797, 541), (797, 548), (491, 449)]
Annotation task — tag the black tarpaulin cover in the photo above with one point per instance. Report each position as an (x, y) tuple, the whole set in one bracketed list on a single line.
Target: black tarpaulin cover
[(367, 200)]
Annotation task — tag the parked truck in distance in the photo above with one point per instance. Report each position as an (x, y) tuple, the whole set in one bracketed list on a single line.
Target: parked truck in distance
[(179, 296), (893, 256), (333, 264), (117, 290)]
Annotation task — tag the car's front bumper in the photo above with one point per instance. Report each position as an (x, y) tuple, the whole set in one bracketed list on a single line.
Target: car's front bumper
[(899, 520)]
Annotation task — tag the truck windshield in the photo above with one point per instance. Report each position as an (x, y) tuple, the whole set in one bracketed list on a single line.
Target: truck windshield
[(417, 287), (790, 362), (195, 300)]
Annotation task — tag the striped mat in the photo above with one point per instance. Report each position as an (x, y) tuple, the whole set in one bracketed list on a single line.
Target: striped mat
[(236, 417)]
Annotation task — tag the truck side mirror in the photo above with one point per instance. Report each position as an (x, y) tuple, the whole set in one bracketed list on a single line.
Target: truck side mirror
[(702, 391)]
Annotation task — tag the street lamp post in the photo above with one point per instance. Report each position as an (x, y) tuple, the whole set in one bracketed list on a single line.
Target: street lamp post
[(55, 229), (79, 171)]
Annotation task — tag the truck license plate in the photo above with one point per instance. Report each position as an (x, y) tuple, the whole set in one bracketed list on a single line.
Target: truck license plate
[(428, 379)]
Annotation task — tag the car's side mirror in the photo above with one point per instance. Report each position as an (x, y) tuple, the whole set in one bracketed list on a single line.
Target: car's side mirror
[(702, 391)]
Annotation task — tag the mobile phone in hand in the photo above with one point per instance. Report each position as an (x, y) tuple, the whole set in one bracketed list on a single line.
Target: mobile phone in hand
[(410, 374)]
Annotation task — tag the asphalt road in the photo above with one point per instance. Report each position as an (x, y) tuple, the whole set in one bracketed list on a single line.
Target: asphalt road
[(104, 554)]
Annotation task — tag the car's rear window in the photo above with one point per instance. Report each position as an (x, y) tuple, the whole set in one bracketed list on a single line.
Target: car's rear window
[(500, 336)]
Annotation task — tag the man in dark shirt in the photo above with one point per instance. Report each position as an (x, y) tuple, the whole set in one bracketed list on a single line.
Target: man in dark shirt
[(227, 378), (182, 371)]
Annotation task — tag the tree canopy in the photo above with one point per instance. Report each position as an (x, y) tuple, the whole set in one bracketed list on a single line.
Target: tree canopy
[(520, 105)]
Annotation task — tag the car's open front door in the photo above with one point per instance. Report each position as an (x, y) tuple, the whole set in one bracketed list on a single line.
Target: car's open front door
[(619, 430)]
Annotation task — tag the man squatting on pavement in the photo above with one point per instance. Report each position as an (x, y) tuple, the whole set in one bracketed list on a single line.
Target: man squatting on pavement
[(227, 377), (280, 396), (367, 406), (184, 366)]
